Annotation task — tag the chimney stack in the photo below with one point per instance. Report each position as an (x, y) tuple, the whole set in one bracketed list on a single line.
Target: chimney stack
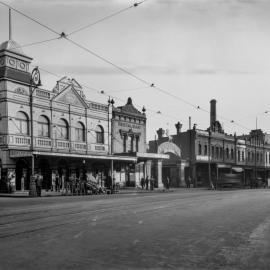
[(178, 127), (213, 112), (160, 133)]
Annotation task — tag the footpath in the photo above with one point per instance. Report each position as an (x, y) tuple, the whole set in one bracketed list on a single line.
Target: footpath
[(44, 193)]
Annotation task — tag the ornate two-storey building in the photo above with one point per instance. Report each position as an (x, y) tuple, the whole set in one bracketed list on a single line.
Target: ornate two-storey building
[(60, 132)]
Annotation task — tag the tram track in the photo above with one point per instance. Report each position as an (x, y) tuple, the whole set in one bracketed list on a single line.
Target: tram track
[(82, 211), (39, 223)]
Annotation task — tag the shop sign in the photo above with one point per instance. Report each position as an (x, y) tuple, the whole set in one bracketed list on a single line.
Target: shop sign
[(128, 125), (202, 158), (169, 147), (19, 153)]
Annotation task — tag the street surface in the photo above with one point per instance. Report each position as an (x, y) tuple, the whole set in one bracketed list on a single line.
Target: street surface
[(185, 229)]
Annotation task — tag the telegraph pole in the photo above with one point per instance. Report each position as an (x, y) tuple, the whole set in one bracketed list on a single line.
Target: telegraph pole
[(34, 83)]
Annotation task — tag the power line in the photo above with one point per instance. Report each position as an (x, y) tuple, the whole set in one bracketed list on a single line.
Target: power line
[(154, 112), (36, 43), (126, 90), (105, 18), (63, 35), (107, 61), (32, 19)]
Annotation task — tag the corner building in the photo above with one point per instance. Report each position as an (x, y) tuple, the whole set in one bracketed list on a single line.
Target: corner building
[(60, 132)]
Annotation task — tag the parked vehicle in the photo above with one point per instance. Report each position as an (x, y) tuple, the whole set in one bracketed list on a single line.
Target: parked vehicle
[(230, 180)]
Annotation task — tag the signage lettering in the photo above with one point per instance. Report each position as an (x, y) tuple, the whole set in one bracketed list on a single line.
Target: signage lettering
[(128, 125), (17, 153)]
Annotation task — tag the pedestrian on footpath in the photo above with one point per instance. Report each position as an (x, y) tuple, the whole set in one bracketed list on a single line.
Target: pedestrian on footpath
[(168, 183), (152, 183), (39, 184), (142, 182), (146, 182), (188, 180), (57, 188)]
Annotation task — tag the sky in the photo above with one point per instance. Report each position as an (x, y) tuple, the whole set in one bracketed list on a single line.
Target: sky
[(195, 50)]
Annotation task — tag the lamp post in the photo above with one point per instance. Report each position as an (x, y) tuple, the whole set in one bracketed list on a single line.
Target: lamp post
[(110, 139), (34, 83), (209, 160)]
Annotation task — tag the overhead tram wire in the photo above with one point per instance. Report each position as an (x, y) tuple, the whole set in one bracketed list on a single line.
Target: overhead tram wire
[(105, 18), (105, 93), (37, 42), (30, 18), (63, 35), (126, 90), (107, 61)]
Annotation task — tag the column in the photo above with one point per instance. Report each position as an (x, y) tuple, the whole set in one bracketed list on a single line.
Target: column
[(182, 174), (194, 175), (159, 173)]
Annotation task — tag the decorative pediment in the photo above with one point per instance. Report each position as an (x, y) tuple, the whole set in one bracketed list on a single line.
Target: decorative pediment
[(129, 108), (70, 96), (169, 147)]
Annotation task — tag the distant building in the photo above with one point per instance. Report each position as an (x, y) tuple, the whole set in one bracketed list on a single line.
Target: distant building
[(202, 156)]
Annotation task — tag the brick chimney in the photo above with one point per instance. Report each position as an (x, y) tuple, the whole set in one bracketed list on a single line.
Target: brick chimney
[(178, 127), (213, 112), (160, 133)]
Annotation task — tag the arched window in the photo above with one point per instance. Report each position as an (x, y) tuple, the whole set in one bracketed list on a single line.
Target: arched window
[(227, 153), (80, 132), (99, 134), (217, 152), (200, 149), (22, 123), (232, 154), (221, 152), (43, 126), (62, 129), (205, 150)]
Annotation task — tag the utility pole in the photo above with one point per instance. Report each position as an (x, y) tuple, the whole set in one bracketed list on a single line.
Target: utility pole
[(209, 161), (110, 139), (34, 83)]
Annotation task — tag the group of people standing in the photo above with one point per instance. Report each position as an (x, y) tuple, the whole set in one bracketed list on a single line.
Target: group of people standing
[(145, 183), (72, 185)]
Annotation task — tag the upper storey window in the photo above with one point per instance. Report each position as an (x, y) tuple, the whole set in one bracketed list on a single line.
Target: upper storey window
[(62, 129), (22, 123), (99, 134), (80, 132), (43, 126)]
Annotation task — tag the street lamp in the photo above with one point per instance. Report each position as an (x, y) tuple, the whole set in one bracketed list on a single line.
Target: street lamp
[(110, 150), (209, 160), (34, 83)]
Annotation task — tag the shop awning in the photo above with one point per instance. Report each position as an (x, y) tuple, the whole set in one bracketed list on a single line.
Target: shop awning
[(152, 156), (97, 157), (220, 166), (237, 169)]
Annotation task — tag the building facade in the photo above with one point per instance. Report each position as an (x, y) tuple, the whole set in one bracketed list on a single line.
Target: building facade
[(61, 133), (206, 155)]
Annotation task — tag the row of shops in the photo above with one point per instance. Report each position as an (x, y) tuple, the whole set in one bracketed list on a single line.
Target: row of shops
[(59, 134)]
